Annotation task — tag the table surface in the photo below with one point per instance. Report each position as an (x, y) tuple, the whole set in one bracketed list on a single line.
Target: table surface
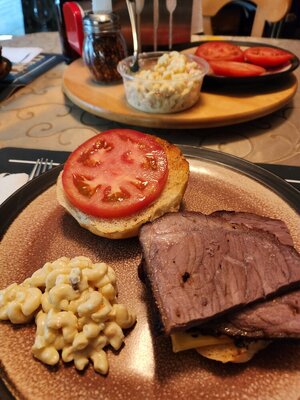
[(40, 116)]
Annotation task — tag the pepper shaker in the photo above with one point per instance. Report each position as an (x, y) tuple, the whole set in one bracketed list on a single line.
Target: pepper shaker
[(104, 46)]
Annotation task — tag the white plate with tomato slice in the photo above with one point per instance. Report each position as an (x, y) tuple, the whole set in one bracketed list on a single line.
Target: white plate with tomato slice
[(244, 62)]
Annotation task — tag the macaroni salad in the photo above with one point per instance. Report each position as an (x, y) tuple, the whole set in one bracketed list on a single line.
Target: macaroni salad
[(172, 84), (75, 308)]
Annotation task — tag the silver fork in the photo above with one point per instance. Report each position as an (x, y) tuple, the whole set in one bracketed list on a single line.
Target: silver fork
[(171, 7), (40, 167)]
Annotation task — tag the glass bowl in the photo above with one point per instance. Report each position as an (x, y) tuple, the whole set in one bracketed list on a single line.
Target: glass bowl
[(167, 82)]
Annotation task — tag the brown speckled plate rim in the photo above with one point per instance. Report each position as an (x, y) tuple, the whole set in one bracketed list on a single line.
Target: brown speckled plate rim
[(21, 198), (273, 182)]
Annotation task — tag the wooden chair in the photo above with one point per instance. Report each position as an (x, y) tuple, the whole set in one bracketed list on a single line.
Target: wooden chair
[(271, 11)]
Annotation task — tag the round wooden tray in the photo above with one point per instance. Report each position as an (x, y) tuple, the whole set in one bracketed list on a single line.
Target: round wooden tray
[(217, 106)]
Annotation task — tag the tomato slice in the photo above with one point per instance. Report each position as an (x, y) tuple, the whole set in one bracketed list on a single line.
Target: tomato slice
[(235, 69), (267, 57), (115, 173), (219, 51)]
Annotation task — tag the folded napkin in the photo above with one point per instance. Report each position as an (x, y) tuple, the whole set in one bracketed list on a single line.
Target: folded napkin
[(21, 55), (10, 183)]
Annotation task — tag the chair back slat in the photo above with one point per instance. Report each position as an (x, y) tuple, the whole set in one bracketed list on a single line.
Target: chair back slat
[(266, 11)]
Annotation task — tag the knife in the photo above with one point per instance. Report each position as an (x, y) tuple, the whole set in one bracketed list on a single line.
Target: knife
[(155, 22)]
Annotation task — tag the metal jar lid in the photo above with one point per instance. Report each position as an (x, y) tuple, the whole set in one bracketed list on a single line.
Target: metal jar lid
[(101, 22)]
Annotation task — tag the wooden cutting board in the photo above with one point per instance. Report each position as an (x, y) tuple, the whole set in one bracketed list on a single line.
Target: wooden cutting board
[(216, 107)]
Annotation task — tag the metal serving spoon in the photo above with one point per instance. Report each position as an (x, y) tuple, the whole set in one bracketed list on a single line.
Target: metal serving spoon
[(134, 67)]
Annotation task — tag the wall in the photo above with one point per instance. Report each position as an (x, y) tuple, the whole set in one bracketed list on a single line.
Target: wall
[(11, 17)]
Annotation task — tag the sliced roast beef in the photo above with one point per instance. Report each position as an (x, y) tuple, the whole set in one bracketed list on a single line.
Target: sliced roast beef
[(201, 267), (277, 318), (274, 319), (254, 221)]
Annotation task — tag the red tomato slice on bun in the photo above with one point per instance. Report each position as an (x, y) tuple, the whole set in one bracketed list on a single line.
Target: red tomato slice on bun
[(235, 69), (115, 173), (220, 51), (267, 57)]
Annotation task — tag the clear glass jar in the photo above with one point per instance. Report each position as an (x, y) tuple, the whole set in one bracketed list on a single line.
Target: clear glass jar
[(103, 47)]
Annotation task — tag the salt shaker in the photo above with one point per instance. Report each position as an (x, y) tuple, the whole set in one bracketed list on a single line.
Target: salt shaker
[(104, 46)]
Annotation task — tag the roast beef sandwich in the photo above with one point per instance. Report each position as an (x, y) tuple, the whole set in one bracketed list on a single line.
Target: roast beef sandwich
[(226, 284)]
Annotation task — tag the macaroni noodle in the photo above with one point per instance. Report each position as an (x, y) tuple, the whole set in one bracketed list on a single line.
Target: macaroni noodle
[(172, 84), (75, 308)]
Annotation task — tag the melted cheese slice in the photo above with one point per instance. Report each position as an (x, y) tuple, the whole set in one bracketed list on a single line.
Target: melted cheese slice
[(185, 341), (220, 348)]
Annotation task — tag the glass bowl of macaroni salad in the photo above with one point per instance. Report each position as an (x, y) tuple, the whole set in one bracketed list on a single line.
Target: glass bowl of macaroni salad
[(167, 82)]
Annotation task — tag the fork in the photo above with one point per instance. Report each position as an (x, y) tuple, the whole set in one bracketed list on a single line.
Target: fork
[(40, 167), (155, 22), (139, 5), (171, 7)]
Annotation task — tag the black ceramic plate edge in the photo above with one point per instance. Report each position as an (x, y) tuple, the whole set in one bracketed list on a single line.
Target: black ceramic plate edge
[(7, 69), (251, 79), (22, 197), (12, 206)]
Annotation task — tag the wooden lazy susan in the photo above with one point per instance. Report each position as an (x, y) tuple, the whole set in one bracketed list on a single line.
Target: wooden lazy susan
[(217, 106)]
